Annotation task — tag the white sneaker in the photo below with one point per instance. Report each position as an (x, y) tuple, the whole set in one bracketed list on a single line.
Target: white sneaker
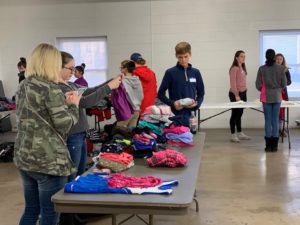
[(234, 138), (243, 136)]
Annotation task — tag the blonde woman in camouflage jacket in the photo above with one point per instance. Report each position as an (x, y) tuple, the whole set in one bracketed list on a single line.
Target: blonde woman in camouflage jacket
[(44, 118)]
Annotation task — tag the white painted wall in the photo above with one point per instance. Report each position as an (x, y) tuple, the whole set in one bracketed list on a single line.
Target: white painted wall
[(215, 28)]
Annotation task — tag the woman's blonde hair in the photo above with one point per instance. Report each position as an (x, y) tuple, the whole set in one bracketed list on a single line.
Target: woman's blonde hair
[(45, 61)]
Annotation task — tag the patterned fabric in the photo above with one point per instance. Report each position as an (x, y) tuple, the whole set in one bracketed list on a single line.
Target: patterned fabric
[(113, 148), (43, 121), (120, 180), (169, 158)]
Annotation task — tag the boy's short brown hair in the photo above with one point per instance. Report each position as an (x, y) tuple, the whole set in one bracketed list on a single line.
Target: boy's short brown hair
[(183, 48)]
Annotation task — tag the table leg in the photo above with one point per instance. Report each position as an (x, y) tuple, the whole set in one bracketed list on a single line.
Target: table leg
[(283, 125), (196, 201), (151, 219), (198, 119), (114, 219), (288, 128)]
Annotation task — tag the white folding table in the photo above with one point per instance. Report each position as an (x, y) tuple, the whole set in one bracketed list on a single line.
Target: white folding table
[(255, 105)]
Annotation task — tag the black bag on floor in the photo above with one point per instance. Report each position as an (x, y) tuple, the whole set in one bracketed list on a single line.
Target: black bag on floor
[(71, 219), (7, 152)]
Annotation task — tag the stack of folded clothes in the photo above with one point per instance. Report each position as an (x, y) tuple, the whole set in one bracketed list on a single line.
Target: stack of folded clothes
[(143, 144), (158, 114), (116, 146), (168, 158), (179, 136), (116, 162)]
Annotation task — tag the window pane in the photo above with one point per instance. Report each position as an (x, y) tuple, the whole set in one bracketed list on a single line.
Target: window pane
[(92, 52), (287, 43)]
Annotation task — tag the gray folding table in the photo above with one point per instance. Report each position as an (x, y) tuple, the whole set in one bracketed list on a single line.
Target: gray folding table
[(175, 204)]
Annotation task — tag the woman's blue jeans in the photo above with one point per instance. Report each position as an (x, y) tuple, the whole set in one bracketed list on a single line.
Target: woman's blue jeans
[(78, 152), (38, 190), (271, 112)]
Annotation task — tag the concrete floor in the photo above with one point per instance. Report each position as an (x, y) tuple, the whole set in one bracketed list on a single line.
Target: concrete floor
[(239, 184)]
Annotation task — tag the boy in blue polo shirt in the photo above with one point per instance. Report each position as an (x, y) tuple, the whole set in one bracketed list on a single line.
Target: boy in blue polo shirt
[(184, 84)]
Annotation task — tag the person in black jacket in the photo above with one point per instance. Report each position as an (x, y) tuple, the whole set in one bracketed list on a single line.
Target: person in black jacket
[(184, 84), (22, 64)]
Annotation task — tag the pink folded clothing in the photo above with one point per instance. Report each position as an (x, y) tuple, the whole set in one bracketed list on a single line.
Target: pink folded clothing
[(176, 129), (169, 158), (123, 158), (120, 180)]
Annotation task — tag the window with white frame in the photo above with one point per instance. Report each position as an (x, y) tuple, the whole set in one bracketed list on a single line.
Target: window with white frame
[(89, 50), (287, 43)]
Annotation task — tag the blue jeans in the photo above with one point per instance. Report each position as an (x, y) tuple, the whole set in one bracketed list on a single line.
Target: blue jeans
[(271, 112), (38, 190), (78, 152)]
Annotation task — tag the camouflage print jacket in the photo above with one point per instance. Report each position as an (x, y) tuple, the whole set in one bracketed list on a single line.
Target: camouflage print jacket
[(44, 121)]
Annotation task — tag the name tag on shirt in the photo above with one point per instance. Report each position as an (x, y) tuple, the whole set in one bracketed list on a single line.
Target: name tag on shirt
[(192, 80)]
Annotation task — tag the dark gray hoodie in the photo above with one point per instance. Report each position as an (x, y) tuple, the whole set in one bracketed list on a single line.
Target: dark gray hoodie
[(91, 97), (134, 90)]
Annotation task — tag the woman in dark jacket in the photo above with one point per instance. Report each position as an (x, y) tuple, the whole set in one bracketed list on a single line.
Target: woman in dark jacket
[(91, 97), (270, 81)]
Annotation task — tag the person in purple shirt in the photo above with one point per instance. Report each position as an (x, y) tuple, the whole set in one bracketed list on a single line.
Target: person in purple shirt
[(79, 71)]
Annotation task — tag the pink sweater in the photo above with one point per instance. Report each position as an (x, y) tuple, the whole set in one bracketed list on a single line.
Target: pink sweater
[(237, 80)]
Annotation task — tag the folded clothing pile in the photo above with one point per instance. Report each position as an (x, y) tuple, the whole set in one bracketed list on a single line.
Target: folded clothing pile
[(144, 138), (168, 158), (158, 114), (116, 162), (116, 146), (178, 136)]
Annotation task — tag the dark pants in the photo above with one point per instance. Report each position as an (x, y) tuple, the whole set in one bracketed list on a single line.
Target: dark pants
[(78, 151), (271, 111), (38, 190), (236, 114)]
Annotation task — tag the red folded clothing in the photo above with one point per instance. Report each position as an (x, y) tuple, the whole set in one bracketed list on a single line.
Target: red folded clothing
[(123, 158), (120, 180), (169, 158)]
